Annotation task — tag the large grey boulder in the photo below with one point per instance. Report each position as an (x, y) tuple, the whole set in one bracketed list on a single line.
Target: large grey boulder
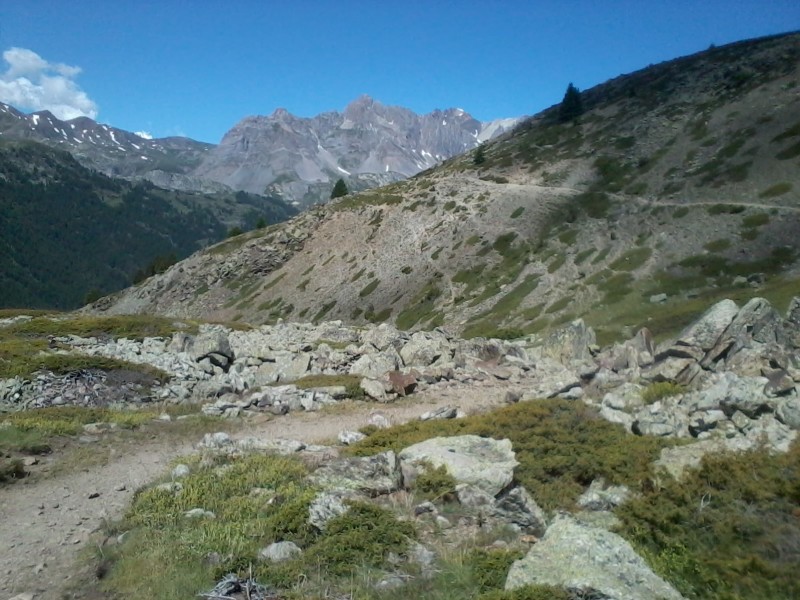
[(573, 342), (590, 561), (485, 463), (376, 365), (662, 418), (424, 348), (766, 432), (281, 366), (383, 336), (601, 496), (788, 411), (756, 321), (208, 343), (705, 332), (328, 505), (370, 475)]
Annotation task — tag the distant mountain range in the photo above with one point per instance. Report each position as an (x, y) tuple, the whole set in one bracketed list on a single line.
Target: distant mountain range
[(299, 159), (367, 145)]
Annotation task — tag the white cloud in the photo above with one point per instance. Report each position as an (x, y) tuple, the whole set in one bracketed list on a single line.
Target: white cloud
[(145, 135), (32, 83)]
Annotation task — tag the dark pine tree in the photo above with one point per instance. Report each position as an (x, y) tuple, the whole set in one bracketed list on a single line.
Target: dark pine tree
[(339, 189), (480, 157), (571, 106)]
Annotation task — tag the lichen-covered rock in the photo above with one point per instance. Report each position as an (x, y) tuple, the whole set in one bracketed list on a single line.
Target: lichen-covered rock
[(705, 332), (486, 463), (517, 508), (573, 342), (424, 348), (376, 365), (279, 552), (370, 475), (591, 561)]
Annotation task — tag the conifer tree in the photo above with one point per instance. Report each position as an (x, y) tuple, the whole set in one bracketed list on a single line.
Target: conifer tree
[(571, 106), (480, 157), (339, 189)]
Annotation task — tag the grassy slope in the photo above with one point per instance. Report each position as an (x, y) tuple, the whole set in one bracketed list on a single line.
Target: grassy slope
[(676, 180)]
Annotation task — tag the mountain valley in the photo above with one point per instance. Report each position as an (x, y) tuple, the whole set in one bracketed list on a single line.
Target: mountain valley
[(555, 358), (677, 186)]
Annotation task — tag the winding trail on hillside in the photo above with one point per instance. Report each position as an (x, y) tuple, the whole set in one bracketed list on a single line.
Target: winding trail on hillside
[(45, 523)]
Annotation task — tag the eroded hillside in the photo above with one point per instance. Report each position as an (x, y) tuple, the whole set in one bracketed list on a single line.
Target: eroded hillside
[(677, 186)]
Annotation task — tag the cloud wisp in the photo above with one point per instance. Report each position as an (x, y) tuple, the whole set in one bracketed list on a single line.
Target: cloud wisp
[(32, 83)]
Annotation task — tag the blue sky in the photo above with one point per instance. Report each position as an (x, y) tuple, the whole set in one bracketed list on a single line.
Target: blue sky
[(195, 68)]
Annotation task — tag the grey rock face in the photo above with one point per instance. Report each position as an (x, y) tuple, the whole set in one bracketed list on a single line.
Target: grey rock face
[(424, 348), (788, 412), (573, 342), (485, 463), (375, 365), (370, 475), (589, 560), (705, 332), (519, 509), (369, 144)]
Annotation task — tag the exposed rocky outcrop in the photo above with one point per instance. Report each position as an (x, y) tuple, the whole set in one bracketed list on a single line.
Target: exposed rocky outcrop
[(589, 562)]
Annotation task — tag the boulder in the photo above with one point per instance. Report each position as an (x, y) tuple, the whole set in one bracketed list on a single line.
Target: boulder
[(279, 552), (663, 418), (788, 412), (369, 475), (328, 505), (745, 394), (625, 397), (485, 463), (705, 332), (573, 342), (588, 560), (424, 348), (445, 412), (517, 508), (208, 342), (755, 321), (350, 437), (765, 432), (373, 388), (376, 365), (383, 336)]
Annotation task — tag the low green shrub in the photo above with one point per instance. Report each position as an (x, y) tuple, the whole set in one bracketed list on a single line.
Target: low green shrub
[(556, 442), (726, 530), (776, 190)]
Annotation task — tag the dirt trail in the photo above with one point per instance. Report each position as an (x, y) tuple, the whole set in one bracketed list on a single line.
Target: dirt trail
[(45, 524)]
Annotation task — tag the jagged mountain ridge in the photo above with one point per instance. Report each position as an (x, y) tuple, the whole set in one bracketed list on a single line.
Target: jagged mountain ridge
[(677, 186), (299, 159), (110, 150), (367, 144)]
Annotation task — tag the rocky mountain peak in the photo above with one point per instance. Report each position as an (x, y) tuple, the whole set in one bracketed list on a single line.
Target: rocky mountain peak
[(367, 144)]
